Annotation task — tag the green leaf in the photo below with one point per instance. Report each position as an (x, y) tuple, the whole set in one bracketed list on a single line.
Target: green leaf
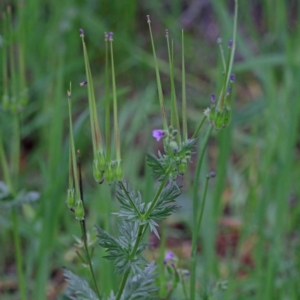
[(157, 166), (165, 206), (78, 288), (131, 203), (141, 286), (120, 249)]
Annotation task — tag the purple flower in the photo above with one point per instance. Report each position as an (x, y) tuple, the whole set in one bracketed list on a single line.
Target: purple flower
[(81, 32), (230, 43), (213, 98), (158, 134), (169, 256), (232, 77)]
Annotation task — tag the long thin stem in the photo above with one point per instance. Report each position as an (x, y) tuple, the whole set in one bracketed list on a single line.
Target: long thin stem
[(199, 127), (83, 229), (195, 210), (184, 120), (84, 237), (196, 234)]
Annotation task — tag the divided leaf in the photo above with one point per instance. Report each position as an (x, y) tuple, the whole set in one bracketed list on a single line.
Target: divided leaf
[(141, 286), (131, 203), (157, 166), (78, 288), (165, 205), (120, 249)]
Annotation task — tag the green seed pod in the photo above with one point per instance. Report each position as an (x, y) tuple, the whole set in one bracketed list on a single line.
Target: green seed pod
[(79, 210), (109, 174), (226, 116), (98, 174), (119, 172), (71, 198), (101, 161), (182, 166), (212, 114), (218, 121), (187, 155)]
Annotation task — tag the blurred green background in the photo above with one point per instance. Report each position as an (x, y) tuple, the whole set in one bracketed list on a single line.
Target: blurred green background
[(250, 233)]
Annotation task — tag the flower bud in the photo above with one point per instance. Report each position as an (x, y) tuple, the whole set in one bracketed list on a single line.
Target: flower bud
[(174, 146), (71, 198), (109, 174), (174, 133), (171, 128), (98, 174), (79, 210), (119, 172)]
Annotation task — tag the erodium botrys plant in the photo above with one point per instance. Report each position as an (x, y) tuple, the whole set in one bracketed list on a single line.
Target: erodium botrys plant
[(139, 278)]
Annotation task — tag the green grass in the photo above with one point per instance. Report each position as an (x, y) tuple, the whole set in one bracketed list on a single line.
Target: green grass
[(256, 158)]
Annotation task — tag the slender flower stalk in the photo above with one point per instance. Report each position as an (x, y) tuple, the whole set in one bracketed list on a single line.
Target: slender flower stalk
[(219, 41), (184, 119), (84, 233), (198, 128)]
